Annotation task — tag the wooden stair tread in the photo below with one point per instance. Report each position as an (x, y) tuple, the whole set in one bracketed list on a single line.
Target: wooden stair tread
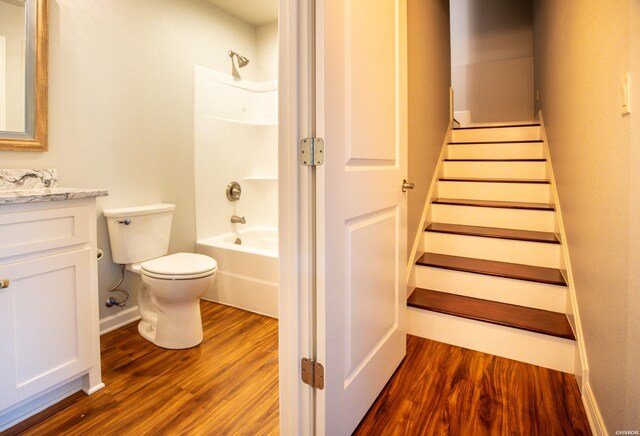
[(492, 203), (516, 271), (483, 180), (493, 232), (497, 126), (495, 160), (510, 315), (522, 141)]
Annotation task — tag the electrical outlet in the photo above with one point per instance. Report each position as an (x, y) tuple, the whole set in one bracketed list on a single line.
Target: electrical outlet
[(625, 88)]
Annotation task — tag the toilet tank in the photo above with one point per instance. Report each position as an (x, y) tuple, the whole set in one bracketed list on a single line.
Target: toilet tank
[(139, 233)]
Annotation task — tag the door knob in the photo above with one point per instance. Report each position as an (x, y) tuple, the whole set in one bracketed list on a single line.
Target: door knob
[(406, 185), (4, 283)]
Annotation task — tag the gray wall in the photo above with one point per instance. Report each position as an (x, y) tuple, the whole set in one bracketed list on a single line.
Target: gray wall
[(582, 49), (492, 59), (429, 80), (121, 104)]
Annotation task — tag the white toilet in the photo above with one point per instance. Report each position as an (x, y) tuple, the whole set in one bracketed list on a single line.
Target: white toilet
[(169, 300)]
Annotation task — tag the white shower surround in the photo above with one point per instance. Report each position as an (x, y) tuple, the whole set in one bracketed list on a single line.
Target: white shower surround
[(236, 139)]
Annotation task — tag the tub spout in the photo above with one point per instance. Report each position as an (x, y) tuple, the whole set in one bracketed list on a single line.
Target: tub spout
[(235, 219)]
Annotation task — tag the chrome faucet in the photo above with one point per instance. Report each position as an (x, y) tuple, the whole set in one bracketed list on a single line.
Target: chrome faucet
[(235, 219)]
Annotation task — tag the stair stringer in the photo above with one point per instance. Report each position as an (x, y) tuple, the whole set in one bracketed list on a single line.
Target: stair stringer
[(573, 314), (416, 250)]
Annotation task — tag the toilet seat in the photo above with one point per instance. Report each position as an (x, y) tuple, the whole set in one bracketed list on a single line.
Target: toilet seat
[(179, 266)]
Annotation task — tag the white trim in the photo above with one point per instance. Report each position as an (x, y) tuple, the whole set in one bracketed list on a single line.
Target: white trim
[(573, 314), (120, 319), (417, 241), (294, 336), (30, 407), (90, 390), (593, 412)]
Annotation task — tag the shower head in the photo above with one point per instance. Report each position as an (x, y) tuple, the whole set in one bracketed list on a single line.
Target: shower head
[(242, 61)]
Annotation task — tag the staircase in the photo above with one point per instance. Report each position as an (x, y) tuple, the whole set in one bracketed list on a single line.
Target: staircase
[(489, 278)]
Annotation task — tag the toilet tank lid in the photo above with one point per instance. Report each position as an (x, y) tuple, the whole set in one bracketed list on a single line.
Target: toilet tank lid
[(138, 210)]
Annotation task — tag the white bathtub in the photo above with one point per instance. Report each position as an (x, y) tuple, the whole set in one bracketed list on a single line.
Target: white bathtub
[(247, 273)]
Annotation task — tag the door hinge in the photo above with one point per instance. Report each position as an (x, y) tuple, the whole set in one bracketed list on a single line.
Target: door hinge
[(311, 152), (312, 373)]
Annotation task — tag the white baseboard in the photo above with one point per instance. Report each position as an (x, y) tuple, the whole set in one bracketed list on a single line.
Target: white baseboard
[(572, 311), (95, 388), (32, 406), (593, 412), (118, 320)]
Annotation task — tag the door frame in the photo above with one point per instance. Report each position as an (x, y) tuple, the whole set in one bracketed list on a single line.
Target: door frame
[(295, 121)]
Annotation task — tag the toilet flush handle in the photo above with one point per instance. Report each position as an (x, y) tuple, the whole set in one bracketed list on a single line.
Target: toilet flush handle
[(125, 221)]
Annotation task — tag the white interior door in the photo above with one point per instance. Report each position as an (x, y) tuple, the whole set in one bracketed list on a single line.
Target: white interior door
[(361, 113)]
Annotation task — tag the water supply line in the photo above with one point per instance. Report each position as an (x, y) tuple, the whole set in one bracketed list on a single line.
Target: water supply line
[(112, 301)]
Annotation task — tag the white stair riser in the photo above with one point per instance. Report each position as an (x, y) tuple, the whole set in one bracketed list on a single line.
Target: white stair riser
[(496, 170), (501, 250), (515, 150), (500, 289), (524, 192), (524, 346), (520, 219), (532, 150), (529, 133)]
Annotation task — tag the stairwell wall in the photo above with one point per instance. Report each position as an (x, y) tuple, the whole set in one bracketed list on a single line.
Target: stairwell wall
[(492, 59), (582, 48), (429, 58)]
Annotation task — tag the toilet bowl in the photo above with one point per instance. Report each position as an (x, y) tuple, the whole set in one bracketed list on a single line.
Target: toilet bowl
[(169, 299)]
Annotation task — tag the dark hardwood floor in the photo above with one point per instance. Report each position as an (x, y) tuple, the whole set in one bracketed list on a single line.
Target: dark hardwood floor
[(440, 389), (226, 386), (229, 386)]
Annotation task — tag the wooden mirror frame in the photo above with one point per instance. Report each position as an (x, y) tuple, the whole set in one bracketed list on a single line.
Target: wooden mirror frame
[(35, 117)]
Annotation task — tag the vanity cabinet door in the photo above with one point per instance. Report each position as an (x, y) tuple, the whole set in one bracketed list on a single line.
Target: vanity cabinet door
[(43, 317)]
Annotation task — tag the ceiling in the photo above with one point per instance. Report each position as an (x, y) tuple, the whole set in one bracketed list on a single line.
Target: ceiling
[(254, 12)]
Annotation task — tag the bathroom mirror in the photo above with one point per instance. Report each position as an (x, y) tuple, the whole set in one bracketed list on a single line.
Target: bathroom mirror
[(23, 74)]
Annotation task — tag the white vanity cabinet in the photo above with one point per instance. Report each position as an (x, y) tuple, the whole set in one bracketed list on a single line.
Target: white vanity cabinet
[(49, 333)]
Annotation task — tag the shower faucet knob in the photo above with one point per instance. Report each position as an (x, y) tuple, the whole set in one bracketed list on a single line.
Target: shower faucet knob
[(234, 191)]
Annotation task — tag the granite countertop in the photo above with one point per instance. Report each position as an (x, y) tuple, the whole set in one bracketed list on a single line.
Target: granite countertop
[(19, 186), (21, 196)]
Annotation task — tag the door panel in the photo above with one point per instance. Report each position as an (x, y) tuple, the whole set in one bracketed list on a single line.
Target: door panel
[(361, 209), (370, 91), (370, 298)]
